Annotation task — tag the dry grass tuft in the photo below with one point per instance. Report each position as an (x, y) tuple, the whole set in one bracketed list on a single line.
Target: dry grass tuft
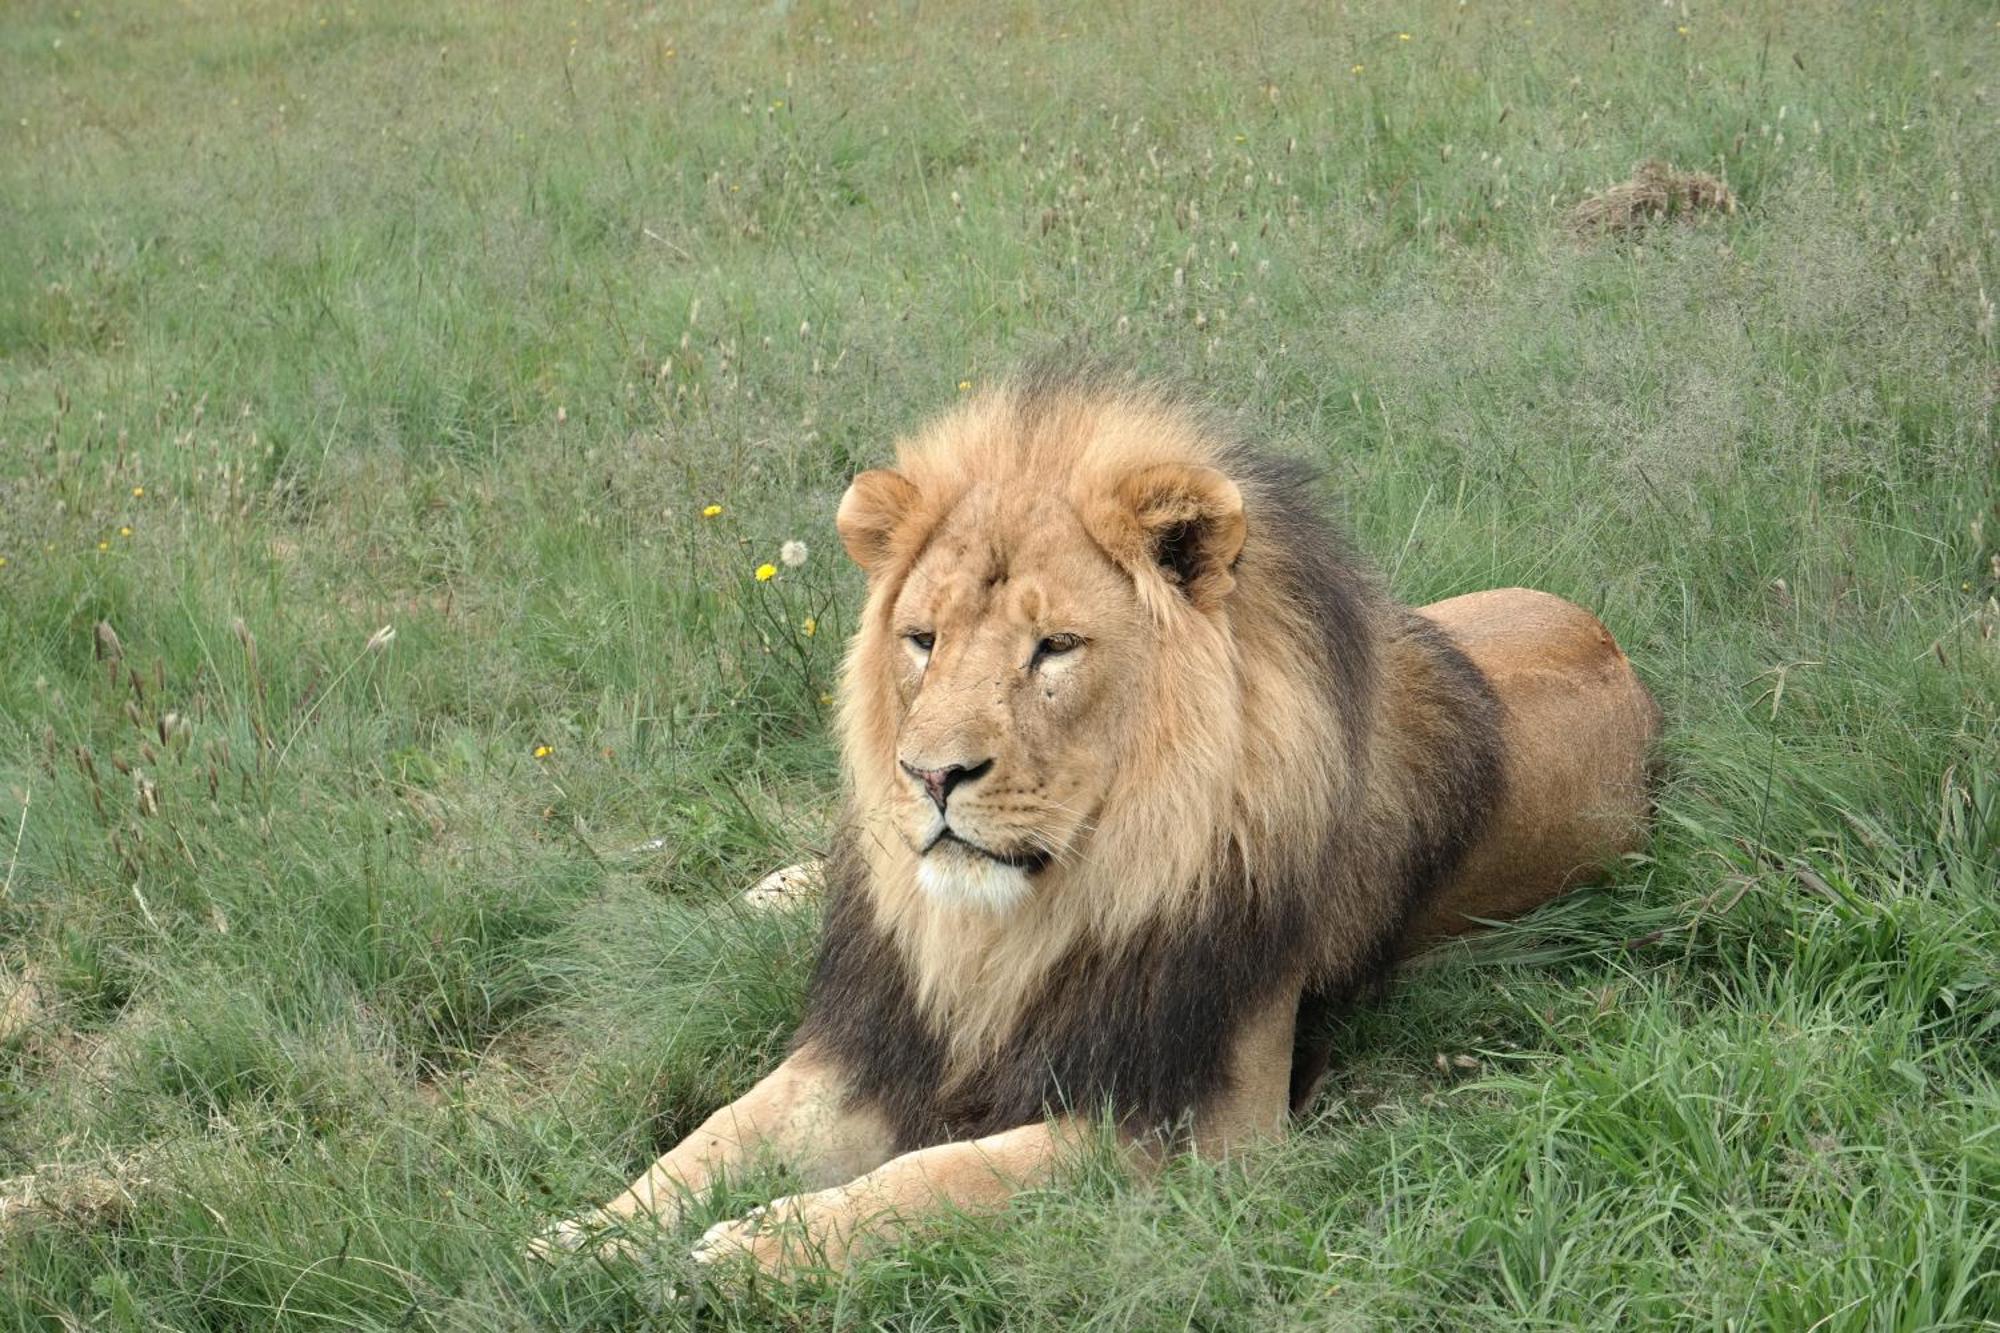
[(22, 1005), (98, 1194), (1657, 191)]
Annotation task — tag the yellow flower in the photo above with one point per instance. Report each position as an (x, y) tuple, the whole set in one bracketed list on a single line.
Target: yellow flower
[(544, 751), (710, 511), (138, 492), (104, 546), (964, 385), (1357, 69), (1402, 37), (125, 531), (808, 627), (3, 562), (1682, 29), (766, 572)]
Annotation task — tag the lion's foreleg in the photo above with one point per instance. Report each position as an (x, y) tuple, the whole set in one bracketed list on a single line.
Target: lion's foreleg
[(797, 1115), (830, 1227)]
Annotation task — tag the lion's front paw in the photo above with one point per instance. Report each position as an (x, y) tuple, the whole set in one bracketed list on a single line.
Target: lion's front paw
[(565, 1237), (783, 1238), (596, 1233), (734, 1237)]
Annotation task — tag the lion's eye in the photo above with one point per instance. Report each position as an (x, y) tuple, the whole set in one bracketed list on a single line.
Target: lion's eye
[(921, 640), (1055, 646)]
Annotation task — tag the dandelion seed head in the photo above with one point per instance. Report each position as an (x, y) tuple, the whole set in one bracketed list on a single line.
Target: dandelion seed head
[(792, 554)]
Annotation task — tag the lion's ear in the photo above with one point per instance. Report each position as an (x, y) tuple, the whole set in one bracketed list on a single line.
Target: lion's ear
[(1185, 521), (877, 505)]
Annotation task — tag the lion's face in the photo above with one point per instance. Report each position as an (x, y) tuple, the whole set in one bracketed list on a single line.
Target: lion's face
[(1014, 637), (1003, 671)]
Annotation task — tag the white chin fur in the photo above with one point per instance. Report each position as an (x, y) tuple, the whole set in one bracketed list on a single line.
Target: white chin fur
[(964, 880)]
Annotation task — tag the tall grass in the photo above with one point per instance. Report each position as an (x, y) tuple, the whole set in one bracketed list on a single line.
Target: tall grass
[(328, 970)]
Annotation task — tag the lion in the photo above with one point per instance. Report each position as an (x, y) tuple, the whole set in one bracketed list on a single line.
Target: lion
[(1147, 778)]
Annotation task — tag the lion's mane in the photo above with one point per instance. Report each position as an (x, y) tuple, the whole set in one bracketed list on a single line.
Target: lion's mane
[(1314, 759)]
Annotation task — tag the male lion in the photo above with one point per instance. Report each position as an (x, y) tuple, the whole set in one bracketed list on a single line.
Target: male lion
[(1146, 777)]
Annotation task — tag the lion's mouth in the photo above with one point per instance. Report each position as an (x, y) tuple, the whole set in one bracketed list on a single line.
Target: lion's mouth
[(1028, 862)]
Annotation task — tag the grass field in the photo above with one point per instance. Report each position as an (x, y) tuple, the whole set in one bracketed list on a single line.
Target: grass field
[(328, 972)]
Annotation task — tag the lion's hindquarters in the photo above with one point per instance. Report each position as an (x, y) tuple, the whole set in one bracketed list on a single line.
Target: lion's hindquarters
[(1578, 731)]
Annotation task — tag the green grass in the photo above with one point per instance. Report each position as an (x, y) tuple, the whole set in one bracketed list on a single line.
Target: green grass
[(453, 318)]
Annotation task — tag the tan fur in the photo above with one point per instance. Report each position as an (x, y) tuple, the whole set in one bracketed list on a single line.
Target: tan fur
[(1255, 1105), (795, 1115), (832, 1227), (1579, 728)]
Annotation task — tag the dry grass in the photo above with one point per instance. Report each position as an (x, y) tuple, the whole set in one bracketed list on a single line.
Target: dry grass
[(22, 1006), (91, 1194), (1656, 192)]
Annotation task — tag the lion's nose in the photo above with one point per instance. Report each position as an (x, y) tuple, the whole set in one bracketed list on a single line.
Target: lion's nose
[(938, 782)]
